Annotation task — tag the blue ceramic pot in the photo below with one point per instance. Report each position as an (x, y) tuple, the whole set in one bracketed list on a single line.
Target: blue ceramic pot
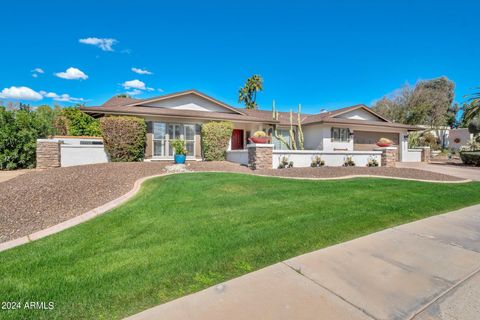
[(180, 158)]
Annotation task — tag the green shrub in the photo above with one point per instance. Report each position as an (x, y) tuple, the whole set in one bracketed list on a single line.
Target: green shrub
[(19, 130), (79, 123), (124, 138), (215, 138), (470, 157)]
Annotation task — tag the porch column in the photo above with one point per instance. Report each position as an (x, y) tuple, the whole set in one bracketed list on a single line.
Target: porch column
[(389, 156), (260, 156)]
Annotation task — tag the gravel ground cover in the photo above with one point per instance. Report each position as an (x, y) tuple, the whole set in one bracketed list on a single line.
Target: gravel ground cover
[(41, 198)]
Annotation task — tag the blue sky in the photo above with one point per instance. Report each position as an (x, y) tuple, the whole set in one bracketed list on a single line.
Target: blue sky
[(323, 54)]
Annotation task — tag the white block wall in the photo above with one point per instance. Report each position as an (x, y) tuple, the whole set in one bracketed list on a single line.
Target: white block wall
[(238, 156), (303, 158), (75, 155), (412, 155)]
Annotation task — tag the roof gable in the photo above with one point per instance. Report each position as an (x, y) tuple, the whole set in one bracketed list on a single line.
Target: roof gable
[(187, 100), (359, 112)]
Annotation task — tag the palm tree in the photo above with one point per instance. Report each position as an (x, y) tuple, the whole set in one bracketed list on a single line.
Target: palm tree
[(248, 94), (473, 108)]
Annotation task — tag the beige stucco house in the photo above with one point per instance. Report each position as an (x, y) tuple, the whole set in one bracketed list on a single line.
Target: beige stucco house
[(181, 114)]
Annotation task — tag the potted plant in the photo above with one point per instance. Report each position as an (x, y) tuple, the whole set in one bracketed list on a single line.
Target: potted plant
[(180, 151), (259, 137), (384, 142)]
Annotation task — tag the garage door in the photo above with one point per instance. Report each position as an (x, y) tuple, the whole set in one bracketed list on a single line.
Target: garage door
[(366, 140)]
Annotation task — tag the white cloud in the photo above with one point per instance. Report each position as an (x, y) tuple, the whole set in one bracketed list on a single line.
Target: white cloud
[(141, 71), (38, 70), (20, 93), (103, 43), (35, 75), (62, 97), (134, 92), (160, 89), (72, 74), (134, 84)]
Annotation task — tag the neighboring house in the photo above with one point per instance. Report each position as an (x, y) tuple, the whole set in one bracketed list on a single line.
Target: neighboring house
[(180, 115)]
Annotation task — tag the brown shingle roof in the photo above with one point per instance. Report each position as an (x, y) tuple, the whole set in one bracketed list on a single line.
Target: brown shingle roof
[(283, 117), (174, 113), (131, 106), (119, 101)]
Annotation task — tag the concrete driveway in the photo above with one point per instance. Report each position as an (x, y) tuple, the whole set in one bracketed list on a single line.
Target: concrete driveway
[(427, 269), (471, 173)]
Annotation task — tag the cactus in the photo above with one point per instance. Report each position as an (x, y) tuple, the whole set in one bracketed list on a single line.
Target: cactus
[(293, 140), (299, 124), (275, 132), (292, 132)]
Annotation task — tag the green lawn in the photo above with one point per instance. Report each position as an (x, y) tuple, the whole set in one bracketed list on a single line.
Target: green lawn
[(183, 233)]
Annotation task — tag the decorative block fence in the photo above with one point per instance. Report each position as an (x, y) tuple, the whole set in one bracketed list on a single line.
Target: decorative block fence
[(262, 156), (303, 158), (66, 151)]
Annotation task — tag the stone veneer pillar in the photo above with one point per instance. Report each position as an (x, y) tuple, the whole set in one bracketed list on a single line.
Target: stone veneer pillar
[(389, 156), (48, 154), (260, 156), (426, 154)]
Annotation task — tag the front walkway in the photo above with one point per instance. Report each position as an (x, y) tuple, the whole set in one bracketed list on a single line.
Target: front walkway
[(471, 173), (428, 269)]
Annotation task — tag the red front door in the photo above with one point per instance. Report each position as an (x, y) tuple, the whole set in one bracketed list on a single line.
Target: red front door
[(237, 139)]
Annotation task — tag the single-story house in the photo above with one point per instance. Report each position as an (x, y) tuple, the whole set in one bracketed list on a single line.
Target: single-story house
[(181, 114)]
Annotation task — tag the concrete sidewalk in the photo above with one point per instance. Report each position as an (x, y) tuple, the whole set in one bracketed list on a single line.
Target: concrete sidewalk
[(427, 269)]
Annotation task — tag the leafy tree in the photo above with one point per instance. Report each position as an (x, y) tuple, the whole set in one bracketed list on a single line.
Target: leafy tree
[(428, 103), (396, 106), (123, 95), (431, 102), (19, 130), (473, 107), (248, 94), (80, 123)]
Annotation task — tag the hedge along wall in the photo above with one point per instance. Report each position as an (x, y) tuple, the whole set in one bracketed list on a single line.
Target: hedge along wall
[(215, 139), (124, 138)]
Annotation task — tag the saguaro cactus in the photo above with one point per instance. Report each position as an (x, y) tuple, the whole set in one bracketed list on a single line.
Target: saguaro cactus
[(299, 125), (293, 141)]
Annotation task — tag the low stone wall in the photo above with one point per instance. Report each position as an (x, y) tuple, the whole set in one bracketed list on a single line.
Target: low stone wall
[(70, 151), (48, 154)]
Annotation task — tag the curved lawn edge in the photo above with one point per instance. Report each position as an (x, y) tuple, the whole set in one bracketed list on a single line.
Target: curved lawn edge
[(137, 186)]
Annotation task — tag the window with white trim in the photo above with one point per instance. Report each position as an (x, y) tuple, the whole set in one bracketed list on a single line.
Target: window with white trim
[(164, 133), (340, 134)]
